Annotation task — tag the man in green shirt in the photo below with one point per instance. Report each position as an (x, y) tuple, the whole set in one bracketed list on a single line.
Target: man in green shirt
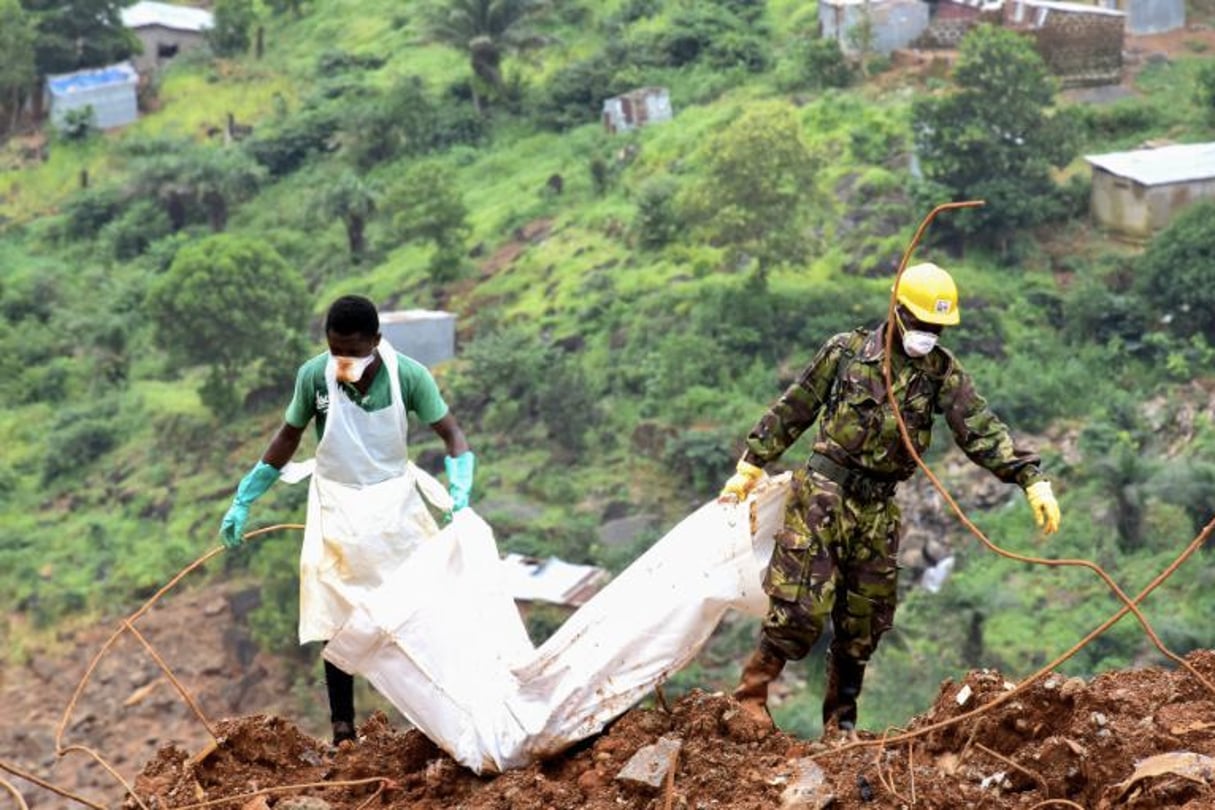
[(365, 511), (836, 556)]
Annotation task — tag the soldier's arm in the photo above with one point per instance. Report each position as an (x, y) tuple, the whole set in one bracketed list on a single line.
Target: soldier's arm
[(797, 409), (982, 436)]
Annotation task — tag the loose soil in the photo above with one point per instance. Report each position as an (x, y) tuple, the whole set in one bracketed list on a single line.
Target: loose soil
[(1060, 739), (1061, 742)]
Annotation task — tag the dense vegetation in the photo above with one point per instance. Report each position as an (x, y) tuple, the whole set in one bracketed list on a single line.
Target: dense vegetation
[(621, 325)]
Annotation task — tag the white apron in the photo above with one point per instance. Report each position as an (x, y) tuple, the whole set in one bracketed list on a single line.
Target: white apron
[(365, 512)]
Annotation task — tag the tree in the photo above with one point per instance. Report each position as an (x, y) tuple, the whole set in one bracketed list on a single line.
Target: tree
[(1204, 91), (486, 30), (994, 137), (17, 67), (757, 187), (75, 34), (430, 207), (352, 201), (185, 178), (230, 303), (1177, 272), (233, 21)]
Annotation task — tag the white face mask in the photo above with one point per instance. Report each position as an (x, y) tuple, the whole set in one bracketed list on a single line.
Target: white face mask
[(917, 343), (350, 369)]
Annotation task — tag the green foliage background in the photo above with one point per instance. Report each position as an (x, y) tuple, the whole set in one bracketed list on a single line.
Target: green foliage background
[(617, 337)]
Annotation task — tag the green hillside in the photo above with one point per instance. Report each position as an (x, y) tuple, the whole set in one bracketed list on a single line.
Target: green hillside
[(618, 334)]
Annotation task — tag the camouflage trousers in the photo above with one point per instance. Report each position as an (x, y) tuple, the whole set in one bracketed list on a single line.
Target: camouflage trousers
[(836, 556)]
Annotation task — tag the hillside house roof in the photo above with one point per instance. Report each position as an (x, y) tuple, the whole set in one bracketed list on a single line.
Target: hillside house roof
[(178, 18), (1180, 163), (530, 579)]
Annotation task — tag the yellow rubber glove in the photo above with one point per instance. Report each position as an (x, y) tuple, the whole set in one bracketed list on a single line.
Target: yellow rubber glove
[(1045, 507), (744, 479)]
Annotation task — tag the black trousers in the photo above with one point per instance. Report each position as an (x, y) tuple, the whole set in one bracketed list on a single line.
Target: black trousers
[(340, 685)]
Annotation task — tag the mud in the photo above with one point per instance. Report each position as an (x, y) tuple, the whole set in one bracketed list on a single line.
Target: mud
[(1062, 742)]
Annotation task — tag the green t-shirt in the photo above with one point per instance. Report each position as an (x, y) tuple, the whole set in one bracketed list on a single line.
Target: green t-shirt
[(418, 391)]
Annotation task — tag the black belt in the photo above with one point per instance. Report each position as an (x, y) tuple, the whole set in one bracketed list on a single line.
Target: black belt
[(853, 481)]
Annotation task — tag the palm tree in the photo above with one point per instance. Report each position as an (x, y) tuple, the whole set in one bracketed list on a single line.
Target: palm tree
[(485, 29), (348, 198)]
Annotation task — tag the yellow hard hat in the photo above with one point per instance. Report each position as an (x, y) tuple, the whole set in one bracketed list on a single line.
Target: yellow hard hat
[(929, 294)]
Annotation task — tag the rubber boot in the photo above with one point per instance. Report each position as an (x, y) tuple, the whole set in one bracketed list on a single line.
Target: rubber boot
[(844, 679), (343, 731), (763, 667)]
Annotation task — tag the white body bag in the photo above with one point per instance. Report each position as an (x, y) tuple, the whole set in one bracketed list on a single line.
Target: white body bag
[(442, 639)]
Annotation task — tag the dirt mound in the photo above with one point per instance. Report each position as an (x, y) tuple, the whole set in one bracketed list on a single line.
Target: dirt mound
[(1135, 739)]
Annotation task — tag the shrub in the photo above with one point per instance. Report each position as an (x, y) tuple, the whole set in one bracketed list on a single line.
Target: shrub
[(1177, 272)]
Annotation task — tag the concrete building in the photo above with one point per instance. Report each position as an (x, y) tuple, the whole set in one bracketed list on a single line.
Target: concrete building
[(1080, 43), (893, 24), (109, 91), (637, 108), (428, 336), (1137, 193), (165, 31)]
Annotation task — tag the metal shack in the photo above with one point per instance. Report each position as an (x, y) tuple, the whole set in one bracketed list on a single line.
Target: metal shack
[(426, 335), (891, 24), (636, 108), (166, 30), (109, 91), (1137, 193), (1150, 16)]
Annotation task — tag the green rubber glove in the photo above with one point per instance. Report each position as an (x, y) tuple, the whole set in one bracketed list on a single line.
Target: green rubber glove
[(251, 487), (460, 478)]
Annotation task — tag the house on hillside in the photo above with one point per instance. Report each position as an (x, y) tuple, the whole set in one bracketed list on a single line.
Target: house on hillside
[(637, 108), (1137, 193), (1081, 44), (165, 31), (892, 24), (110, 92)]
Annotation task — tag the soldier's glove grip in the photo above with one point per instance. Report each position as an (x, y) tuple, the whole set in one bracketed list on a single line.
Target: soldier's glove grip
[(1044, 506), (739, 486)]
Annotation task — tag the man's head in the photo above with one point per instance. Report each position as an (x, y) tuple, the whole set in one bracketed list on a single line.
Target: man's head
[(353, 315), (352, 330), (928, 293), (927, 302)]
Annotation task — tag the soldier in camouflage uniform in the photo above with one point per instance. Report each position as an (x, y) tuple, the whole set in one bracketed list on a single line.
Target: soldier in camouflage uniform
[(836, 554)]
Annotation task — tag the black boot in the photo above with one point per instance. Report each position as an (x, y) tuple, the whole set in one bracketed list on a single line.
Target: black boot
[(340, 686), (844, 679), (343, 731)]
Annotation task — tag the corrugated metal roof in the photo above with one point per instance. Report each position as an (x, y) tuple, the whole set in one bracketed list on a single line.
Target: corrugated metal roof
[(1165, 164), (1077, 8), (530, 579), (179, 18), (82, 81)]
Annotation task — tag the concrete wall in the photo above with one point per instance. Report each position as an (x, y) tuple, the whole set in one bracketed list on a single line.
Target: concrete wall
[(428, 336), (157, 40), (896, 23), (1135, 211)]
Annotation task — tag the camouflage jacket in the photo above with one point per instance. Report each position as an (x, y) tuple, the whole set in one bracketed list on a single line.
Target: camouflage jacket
[(856, 424)]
